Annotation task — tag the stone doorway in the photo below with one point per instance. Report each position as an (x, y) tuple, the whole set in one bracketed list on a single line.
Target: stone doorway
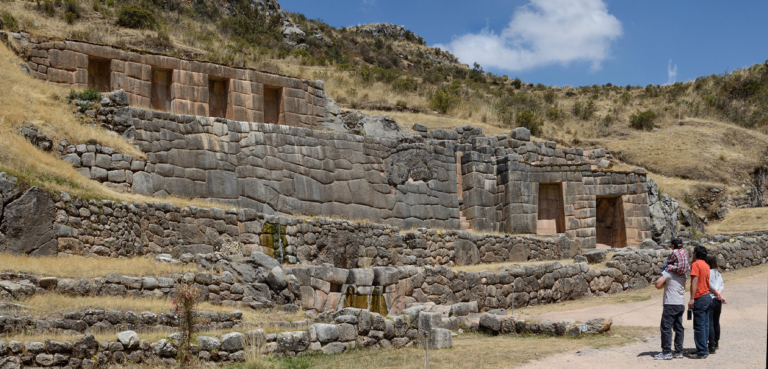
[(611, 231), (218, 97), (161, 89), (551, 218), (99, 71), (272, 102)]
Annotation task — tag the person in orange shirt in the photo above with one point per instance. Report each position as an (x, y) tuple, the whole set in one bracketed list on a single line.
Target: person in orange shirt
[(700, 301)]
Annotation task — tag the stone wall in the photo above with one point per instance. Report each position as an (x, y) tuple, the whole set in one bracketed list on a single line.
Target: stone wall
[(349, 329), (71, 63)]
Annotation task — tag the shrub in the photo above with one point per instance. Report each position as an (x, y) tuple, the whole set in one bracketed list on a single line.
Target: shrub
[(529, 120), (134, 16), (47, 7), (9, 22), (71, 11), (642, 120), (90, 94), (401, 104), (184, 303), (445, 98), (625, 98), (584, 111), (554, 114), (517, 83), (550, 96), (407, 84)]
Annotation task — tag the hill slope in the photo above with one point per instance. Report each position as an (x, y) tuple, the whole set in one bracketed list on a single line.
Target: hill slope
[(699, 136)]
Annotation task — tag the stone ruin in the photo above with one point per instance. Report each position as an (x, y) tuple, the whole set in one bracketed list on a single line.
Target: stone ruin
[(250, 139)]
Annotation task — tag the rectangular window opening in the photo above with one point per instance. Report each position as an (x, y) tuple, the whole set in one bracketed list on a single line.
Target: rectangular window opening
[(551, 219), (161, 89), (335, 287), (272, 100), (611, 231), (218, 97), (99, 71)]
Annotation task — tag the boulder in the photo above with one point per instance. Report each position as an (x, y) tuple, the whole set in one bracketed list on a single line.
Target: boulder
[(335, 348), (209, 343), (293, 341), (85, 347), (129, 339), (599, 325), (263, 260), (324, 332), (521, 134), (233, 342), (490, 323), (276, 278), (596, 256), (27, 225), (649, 244)]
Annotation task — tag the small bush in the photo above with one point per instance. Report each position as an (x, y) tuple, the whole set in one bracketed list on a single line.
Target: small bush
[(554, 114), (72, 11), (407, 84), (443, 100), (517, 83), (9, 22), (550, 96), (134, 16), (529, 120), (642, 120), (47, 7), (90, 94), (584, 111), (401, 104)]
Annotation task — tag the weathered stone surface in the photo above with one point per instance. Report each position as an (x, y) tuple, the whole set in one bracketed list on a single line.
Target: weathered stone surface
[(233, 342), (335, 348), (129, 339), (441, 339), (263, 260), (209, 343), (325, 332), (27, 225), (276, 278)]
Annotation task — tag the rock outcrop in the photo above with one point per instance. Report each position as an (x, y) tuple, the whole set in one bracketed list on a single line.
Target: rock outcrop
[(27, 225), (665, 212)]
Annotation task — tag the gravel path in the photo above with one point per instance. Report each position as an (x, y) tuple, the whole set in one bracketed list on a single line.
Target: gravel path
[(742, 341)]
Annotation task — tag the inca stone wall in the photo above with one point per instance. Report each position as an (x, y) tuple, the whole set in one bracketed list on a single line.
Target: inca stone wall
[(71, 63)]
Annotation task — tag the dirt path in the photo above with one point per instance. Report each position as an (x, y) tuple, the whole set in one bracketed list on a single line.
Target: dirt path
[(742, 342)]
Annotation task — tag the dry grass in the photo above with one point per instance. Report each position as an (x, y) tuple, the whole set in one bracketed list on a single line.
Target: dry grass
[(83, 267), (742, 220), (52, 303), (503, 351), (499, 266), (28, 100), (435, 121)]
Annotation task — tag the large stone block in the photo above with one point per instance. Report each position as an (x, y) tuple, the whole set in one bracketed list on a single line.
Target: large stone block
[(222, 184), (360, 277), (27, 225)]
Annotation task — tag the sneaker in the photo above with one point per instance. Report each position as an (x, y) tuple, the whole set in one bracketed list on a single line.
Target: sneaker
[(663, 356), (678, 355), (698, 356)]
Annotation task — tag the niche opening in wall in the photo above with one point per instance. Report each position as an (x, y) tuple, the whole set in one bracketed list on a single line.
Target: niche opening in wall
[(161, 89), (99, 71), (551, 218), (218, 96), (610, 227), (272, 104)]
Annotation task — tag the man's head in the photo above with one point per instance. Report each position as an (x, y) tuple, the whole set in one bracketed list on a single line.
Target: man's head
[(677, 243), (700, 253)]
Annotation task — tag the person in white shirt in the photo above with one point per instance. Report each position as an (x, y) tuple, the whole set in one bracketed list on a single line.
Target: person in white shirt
[(716, 287)]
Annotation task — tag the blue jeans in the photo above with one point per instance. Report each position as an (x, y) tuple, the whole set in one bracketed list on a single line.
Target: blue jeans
[(701, 323)]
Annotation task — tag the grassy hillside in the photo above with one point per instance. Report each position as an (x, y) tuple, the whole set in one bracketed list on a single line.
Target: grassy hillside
[(692, 136)]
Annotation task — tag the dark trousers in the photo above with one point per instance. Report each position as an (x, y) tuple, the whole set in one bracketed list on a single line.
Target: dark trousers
[(714, 323), (672, 318), (701, 323)]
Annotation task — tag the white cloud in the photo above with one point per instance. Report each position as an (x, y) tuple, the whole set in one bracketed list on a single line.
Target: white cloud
[(543, 32), (671, 72)]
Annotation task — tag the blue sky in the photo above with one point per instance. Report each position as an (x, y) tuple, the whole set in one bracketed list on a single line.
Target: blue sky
[(574, 42)]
